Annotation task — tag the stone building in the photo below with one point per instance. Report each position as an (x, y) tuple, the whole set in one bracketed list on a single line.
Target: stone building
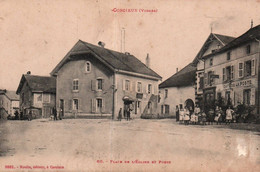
[(178, 90), (93, 81)]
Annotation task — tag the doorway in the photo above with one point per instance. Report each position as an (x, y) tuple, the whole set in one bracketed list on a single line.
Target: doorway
[(62, 107)]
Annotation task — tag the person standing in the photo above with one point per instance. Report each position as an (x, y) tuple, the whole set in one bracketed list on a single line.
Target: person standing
[(177, 114), (197, 114), (229, 113), (120, 114), (54, 111), (30, 115), (128, 113)]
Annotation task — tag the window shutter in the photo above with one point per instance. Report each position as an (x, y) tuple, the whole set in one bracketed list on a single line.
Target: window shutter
[(224, 74), (103, 84), (93, 105), (253, 66), (240, 70), (205, 79), (152, 87), (147, 88), (93, 85), (252, 96), (123, 84), (232, 72), (70, 104), (79, 105), (103, 105)]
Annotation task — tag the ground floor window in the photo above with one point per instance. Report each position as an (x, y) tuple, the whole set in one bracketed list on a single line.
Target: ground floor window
[(75, 104), (167, 109), (247, 96)]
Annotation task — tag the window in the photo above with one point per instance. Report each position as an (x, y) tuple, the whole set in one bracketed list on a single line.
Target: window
[(99, 103), (211, 62), (38, 98), (228, 55), (228, 73), (75, 104), (166, 93), (240, 70), (210, 79), (167, 109), (246, 96), (201, 83), (139, 87), (248, 49), (100, 84), (127, 85), (75, 85), (149, 88), (248, 68), (46, 98), (88, 67)]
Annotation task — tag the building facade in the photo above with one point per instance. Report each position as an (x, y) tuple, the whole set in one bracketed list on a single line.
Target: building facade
[(232, 72), (178, 91), (37, 94), (93, 81), (212, 44), (9, 103)]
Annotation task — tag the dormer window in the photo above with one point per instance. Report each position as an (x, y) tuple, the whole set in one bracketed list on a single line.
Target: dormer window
[(88, 67)]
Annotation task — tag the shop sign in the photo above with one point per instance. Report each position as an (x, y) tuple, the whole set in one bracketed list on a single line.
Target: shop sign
[(244, 83)]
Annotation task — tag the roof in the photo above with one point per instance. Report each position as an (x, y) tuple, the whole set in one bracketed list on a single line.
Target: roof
[(251, 34), (113, 59), (36, 83), (185, 77), (10, 94), (222, 39)]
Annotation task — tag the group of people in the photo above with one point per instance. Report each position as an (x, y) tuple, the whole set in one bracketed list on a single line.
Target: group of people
[(198, 116), (56, 114), (127, 113)]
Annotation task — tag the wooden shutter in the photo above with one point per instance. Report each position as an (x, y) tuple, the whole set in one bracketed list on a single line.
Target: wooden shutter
[(224, 74), (205, 79), (93, 85), (232, 72), (252, 96), (103, 106), (240, 70), (103, 84), (93, 105), (253, 63)]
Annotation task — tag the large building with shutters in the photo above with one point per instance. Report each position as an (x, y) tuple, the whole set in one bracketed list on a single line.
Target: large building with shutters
[(93, 81), (232, 72)]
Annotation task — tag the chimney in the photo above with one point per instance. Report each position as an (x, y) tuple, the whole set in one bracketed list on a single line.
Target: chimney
[(177, 70), (147, 60), (252, 23), (101, 44), (127, 53), (29, 73)]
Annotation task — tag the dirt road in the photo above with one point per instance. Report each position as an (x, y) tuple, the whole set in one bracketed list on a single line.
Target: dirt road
[(137, 145)]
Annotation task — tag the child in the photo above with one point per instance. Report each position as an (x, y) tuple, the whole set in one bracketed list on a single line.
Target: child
[(193, 118), (186, 116), (229, 113), (181, 119), (204, 118)]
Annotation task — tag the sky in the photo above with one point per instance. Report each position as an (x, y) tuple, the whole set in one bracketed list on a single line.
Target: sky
[(36, 34)]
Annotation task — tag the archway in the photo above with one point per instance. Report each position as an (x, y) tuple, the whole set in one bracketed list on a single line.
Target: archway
[(189, 104)]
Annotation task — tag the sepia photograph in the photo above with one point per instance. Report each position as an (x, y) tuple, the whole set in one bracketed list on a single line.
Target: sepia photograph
[(129, 85)]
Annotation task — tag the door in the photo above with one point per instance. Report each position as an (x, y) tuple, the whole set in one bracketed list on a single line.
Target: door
[(62, 107), (138, 108)]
